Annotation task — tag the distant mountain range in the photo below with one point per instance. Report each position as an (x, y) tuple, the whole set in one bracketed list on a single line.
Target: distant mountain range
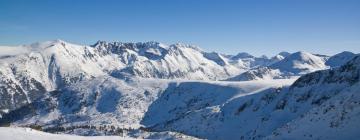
[(153, 90)]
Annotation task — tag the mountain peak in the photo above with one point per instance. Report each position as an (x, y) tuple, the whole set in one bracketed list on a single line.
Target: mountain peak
[(301, 56), (182, 45), (58, 41), (284, 54), (300, 63), (242, 55), (340, 59), (99, 43)]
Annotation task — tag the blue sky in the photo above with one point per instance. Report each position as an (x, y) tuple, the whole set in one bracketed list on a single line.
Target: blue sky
[(254, 26)]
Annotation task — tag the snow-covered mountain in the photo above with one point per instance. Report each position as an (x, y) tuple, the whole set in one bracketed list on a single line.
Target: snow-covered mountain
[(315, 105), (177, 61), (156, 91), (156, 60), (42, 67), (271, 109), (28, 71), (340, 59), (252, 61), (300, 63), (295, 64)]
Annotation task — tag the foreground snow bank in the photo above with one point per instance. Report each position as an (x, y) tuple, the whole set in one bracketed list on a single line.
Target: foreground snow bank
[(17, 133)]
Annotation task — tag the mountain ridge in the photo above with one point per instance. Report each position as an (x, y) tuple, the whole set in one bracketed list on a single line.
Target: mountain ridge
[(143, 90)]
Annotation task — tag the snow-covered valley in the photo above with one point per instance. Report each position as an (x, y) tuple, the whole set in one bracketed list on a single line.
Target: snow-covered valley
[(156, 91)]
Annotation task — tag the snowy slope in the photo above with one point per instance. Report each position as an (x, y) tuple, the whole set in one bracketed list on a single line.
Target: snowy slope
[(128, 104), (46, 66), (336, 115), (19, 133), (335, 119), (7, 133), (315, 105), (261, 73)]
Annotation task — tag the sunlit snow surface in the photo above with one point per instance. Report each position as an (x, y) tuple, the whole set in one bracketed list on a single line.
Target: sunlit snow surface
[(17, 133)]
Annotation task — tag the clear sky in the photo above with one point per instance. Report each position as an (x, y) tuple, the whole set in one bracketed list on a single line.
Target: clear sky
[(254, 26)]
